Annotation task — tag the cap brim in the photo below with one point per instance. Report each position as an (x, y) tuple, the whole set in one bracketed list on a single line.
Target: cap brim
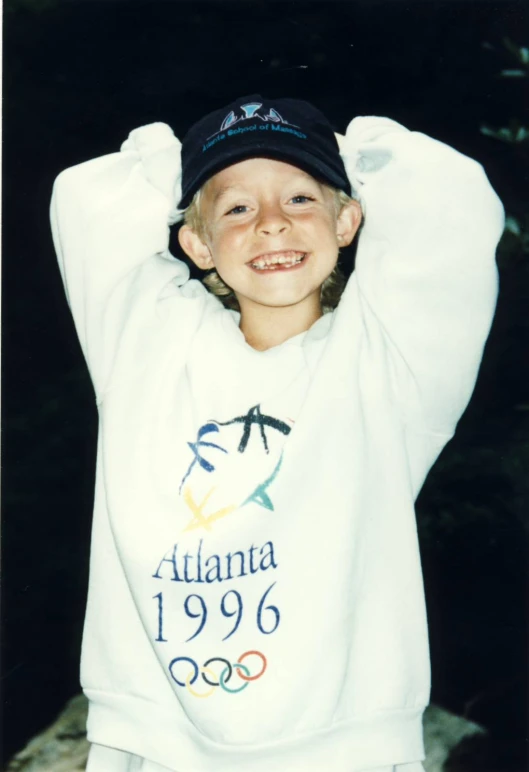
[(308, 162)]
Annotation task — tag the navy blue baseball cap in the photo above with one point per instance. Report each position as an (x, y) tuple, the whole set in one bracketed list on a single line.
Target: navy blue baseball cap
[(287, 130)]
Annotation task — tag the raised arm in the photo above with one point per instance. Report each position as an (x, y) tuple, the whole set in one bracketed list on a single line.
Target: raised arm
[(109, 220), (425, 265)]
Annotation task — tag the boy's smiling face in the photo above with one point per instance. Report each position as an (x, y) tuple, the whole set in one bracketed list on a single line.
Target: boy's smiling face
[(272, 232)]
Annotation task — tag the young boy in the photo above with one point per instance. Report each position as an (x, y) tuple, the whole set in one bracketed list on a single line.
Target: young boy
[(256, 598)]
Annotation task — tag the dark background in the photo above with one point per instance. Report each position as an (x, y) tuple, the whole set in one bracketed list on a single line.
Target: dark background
[(78, 76)]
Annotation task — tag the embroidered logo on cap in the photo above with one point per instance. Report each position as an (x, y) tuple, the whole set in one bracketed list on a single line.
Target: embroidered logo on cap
[(250, 112)]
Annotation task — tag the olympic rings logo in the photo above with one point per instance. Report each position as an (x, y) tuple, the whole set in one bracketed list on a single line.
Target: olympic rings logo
[(210, 677)]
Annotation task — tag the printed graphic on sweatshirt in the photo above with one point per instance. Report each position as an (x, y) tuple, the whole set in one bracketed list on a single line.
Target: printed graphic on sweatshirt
[(233, 464), (209, 612), (217, 672)]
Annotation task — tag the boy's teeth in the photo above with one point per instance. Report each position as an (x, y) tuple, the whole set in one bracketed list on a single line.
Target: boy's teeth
[(270, 262)]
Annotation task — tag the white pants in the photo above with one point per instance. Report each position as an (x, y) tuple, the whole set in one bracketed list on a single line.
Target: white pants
[(103, 759)]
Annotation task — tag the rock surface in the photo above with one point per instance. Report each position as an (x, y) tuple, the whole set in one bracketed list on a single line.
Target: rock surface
[(443, 731), (63, 746)]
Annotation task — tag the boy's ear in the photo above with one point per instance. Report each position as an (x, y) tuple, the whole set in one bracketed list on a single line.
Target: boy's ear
[(348, 222), (195, 248)]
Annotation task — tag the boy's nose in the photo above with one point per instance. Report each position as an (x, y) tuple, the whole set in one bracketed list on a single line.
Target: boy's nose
[(272, 222)]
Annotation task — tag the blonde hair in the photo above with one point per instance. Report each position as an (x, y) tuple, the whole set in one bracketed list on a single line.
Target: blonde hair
[(331, 289)]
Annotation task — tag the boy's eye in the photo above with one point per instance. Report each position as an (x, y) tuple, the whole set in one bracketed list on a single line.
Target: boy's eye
[(239, 209), (301, 199)]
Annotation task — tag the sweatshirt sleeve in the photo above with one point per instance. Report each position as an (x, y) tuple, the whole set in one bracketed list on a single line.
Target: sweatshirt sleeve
[(425, 268), (109, 219)]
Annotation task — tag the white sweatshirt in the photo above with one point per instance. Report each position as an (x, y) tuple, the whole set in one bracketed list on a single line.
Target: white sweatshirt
[(256, 598)]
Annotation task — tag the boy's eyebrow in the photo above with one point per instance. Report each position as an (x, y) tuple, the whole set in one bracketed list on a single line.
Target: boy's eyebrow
[(226, 188), (221, 191)]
